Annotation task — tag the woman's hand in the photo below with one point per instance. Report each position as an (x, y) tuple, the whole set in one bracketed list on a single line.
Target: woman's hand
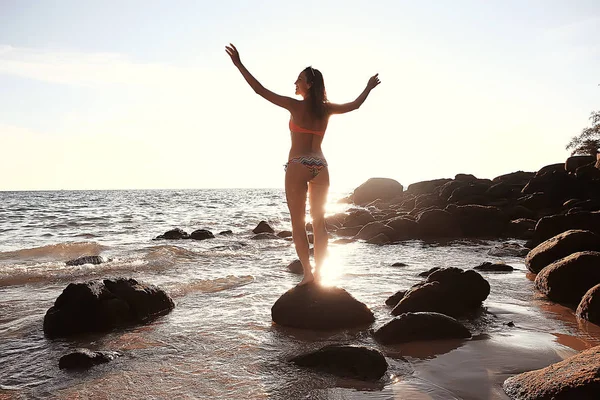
[(234, 54), (373, 81)]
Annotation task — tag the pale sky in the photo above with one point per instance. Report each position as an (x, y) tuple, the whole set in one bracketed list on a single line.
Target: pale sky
[(141, 94)]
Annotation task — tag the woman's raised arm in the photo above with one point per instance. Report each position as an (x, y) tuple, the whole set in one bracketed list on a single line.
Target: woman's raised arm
[(282, 101), (354, 105)]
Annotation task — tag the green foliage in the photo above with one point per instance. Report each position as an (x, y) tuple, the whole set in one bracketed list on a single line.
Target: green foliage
[(588, 141)]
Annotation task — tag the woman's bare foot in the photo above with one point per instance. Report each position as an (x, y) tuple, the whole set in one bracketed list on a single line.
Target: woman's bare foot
[(306, 280)]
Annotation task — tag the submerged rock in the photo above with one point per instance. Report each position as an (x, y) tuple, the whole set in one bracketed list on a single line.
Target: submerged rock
[(345, 361), (99, 306), (202, 234), (576, 377), (409, 327), (85, 358), (508, 250), (86, 260), (174, 234), (313, 306), (493, 267)]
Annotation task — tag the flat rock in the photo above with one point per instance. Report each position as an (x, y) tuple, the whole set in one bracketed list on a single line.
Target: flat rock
[(86, 260), (577, 378), (493, 267), (85, 358), (316, 307), (409, 327), (346, 361)]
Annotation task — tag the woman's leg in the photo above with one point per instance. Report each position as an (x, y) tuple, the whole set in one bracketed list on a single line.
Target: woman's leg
[(296, 187), (318, 189)]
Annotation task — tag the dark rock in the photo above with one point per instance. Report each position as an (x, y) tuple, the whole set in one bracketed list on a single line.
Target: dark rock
[(174, 234), (568, 279), (493, 267), (376, 188), (575, 162), (575, 378), (201, 234), (86, 260), (263, 227), (373, 229), (468, 191), (515, 178), (380, 239), (479, 221), (552, 225), (465, 177), (284, 234), (589, 306), (430, 271), (348, 232), (394, 299), (449, 291), (399, 264), (312, 306), (587, 172), (560, 246), (296, 267), (227, 232), (85, 358), (345, 361), (437, 224), (508, 250), (521, 228), (358, 218), (404, 228), (99, 306), (426, 186), (417, 326), (265, 236)]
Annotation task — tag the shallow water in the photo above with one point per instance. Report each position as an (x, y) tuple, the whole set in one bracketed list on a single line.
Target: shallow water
[(219, 341)]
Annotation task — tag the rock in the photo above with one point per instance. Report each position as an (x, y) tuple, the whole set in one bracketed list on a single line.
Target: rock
[(399, 264), (515, 178), (86, 260), (265, 236), (99, 306), (404, 228), (430, 271), (358, 218), (468, 191), (345, 361), (521, 228), (465, 177), (376, 188), (426, 186), (284, 234), (479, 221), (449, 291), (226, 233), (373, 229), (493, 267), (575, 378), (568, 279), (560, 246), (296, 267), (552, 225), (589, 306), (263, 227), (380, 239), (416, 326), (394, 299), (575, 162), (201, 234), (174, 234), (85, 358), (312, 306), (508, 250), (348, 232), (437, 224)]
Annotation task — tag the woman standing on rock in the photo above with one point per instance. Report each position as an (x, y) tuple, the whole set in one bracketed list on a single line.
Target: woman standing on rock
[(306, 170)]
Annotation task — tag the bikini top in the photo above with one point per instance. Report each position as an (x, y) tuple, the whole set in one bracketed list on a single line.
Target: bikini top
[(297, 129)]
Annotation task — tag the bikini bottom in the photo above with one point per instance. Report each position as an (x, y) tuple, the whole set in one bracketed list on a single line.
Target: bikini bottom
[(314, 164)]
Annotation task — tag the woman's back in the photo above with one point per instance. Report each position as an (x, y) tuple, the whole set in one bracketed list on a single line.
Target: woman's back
[(307, 132)]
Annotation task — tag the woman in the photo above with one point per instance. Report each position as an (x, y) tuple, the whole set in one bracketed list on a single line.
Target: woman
[(306, 170)]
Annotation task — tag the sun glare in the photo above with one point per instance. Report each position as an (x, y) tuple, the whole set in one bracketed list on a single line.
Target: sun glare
[(332, 268)]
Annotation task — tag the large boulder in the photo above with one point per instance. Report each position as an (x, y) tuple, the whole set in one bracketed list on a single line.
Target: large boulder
[(409, 327), (560, 246), (312, 306), (575, 162), (515, 178), (404, 228), (589, 306), (479, 221), (346, 361), (577, 378), (373, 229), (552, 225), (101, 305), (568, 279), (437, 223), (358, 217), (376, 188), (426, 186), (449, 291)]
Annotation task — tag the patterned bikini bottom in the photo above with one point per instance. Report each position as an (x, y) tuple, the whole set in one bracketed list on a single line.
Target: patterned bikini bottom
[(314, 164)]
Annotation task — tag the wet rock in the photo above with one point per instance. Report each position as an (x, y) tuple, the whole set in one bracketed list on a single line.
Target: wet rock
[(575, 162), (576, 377), (552, 225), (404, 228), (394, 299), (359, 218), (520, 228), (409, 327), (201, 234), (263, 227), (380, 239), (85, 358), (426, 186), (493, 267), (399, 264), (265, 236), (312, 306), (86, 260), (508, 250), (285, 234), (295, 267), (373, 229), (560, 246), (226, 233), (568, 279), (101, 305), (430, 271), (345, 361), (174, 234), (376, 188), (449, 291), (437, 223), (479, 221), (348, 232), (589, 307)]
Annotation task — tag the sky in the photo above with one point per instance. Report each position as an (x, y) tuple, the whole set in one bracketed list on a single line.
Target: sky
[(141, 94)]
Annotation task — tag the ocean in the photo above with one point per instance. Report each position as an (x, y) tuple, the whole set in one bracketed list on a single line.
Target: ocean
[(219, 342)]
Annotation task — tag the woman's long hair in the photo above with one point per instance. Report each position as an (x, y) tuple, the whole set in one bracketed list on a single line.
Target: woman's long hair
[(317, 96)]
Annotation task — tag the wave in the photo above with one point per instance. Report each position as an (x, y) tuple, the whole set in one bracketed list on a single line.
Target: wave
[(60, 251), (210, 285)]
